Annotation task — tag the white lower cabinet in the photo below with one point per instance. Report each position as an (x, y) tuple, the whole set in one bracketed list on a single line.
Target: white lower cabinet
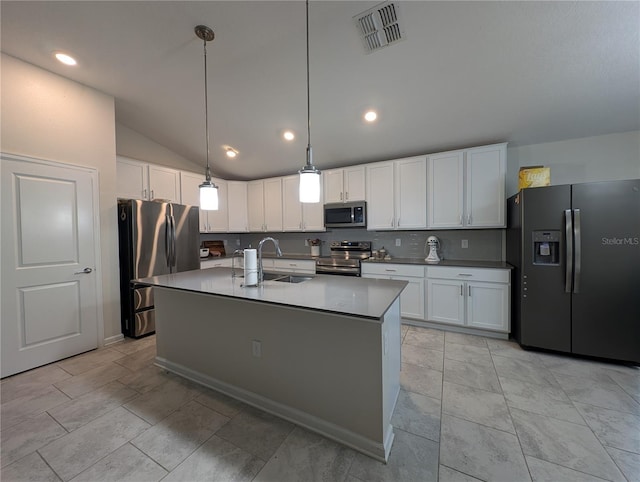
[(216, 263), (302, 266), (474, 297), (412, 297)]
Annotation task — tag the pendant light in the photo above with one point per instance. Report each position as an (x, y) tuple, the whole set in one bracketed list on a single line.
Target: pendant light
[(309, 174), (208, 190)]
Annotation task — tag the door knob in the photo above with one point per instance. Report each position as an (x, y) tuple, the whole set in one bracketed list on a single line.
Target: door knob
[(84, 271)]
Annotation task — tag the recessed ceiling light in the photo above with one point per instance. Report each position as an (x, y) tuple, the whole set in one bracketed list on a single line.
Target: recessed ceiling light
[(231, 152), (288, 136), (65, 59), (370, 116)]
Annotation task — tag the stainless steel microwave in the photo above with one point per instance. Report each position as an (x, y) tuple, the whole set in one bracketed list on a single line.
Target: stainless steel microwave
[(345, 215)]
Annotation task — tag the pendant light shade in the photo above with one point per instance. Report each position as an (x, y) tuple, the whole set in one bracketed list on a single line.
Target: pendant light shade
[(208, 196), (208, 190), (309, 174)]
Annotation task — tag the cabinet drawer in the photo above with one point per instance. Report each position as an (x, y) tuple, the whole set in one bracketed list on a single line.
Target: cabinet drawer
[(216, 263), (415, 271), (294, 264), (469, 274)]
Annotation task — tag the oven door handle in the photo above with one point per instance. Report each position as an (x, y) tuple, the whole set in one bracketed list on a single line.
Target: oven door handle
[(338, 270)]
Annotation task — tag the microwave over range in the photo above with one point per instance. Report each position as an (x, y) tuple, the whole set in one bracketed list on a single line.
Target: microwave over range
[(345, 215)]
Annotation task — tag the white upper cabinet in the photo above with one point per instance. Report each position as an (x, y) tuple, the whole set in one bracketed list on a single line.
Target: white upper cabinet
[(264, 200), (485, 186), (210, 221), (467, 188), (132, 179), (445, 175), (237, 206), (397, 197), (141, 180), (299, 216), (344, 185)]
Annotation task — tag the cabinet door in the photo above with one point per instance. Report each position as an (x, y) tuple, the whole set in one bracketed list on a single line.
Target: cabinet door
[(273, 204), (291, 205), (412, 298), (255, 205), (485, 186), (488, 306), (190, 195), (164, 183), (380, 202), (132, 179), (445, 301), (237, 206), (218, 221), (354, 183), (333, 186), (411, 193), (445, 176)]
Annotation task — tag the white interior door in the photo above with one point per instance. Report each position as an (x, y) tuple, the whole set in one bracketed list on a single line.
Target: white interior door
[(50, 300)]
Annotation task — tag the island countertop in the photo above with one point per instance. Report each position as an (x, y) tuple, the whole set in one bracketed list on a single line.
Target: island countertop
[(351, 296)]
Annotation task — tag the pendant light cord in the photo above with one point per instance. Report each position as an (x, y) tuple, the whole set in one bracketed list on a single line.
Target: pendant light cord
[(206, 110), (309, 155)]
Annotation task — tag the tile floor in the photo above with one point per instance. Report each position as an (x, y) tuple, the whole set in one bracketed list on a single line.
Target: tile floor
[(470, 408)]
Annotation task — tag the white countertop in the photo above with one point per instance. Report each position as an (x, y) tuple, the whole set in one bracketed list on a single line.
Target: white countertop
[(362, 297)]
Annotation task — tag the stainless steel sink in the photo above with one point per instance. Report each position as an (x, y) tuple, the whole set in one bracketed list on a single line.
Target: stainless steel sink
[(286, 278)]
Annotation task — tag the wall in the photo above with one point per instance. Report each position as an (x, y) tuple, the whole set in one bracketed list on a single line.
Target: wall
[(130, 143), (588, 159), (49, 117), (484, 244)]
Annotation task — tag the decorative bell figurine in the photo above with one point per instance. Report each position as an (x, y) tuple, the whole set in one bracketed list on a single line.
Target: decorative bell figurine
[(434, 245)]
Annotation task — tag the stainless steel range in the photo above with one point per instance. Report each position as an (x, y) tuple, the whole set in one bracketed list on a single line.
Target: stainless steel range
[(345, 258)]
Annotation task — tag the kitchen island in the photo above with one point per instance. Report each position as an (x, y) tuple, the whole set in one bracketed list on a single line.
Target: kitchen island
[(323, 353)]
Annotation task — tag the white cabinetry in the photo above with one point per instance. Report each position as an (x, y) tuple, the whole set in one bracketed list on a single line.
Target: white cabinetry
[(141, 180), (237, 206), (344, 185), (397, 196), (217, 263), (210, 221), (471, 297), (264, 199), (302, 266), (412, 297), (297, 216), (467, 188)]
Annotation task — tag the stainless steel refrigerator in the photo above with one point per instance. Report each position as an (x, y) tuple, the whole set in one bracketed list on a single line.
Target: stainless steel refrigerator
[(576, 284), (154, 238)]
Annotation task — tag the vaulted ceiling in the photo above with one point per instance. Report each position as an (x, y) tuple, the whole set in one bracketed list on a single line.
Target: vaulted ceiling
[(465, 73)]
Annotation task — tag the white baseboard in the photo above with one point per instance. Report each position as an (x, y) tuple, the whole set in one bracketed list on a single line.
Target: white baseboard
[(458, 329), (113, 339), (376, 450)]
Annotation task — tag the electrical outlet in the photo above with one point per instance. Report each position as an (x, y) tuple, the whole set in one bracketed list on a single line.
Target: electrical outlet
[(465, 243), (256, 348), (238, 242), (398, 242), (306, 242)]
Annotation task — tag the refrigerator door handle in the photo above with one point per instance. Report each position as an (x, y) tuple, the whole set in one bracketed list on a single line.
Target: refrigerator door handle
[(167, 240), (174, 249), (578, 251), (568, 231)]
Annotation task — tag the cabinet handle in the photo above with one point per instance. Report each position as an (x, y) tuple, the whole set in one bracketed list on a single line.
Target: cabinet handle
[(341, 197), (461, 294), (152, 194), (391, 270), (460, 220), (346, 195), (144, 194), (469, 218), (464, 274), (469, 291)]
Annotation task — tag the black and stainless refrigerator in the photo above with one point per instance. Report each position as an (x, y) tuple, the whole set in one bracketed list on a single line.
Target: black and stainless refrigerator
[(154, 238), (576, 284)]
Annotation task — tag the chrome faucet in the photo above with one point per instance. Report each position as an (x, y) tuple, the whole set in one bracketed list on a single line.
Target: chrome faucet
[(278, 253)]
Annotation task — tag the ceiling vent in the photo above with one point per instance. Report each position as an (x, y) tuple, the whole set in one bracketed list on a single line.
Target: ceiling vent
[(380, 26)]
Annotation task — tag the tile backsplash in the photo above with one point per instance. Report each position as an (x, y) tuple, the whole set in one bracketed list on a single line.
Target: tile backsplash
[(483, 244)]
